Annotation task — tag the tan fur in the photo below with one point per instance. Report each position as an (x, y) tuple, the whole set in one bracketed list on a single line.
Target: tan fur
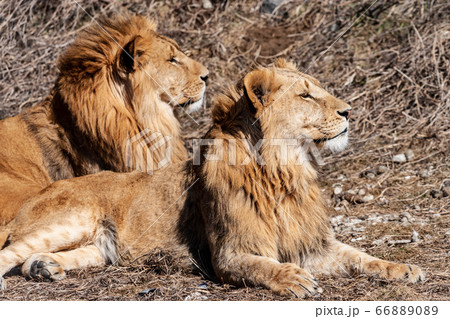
[(248, 223), (117, 79)]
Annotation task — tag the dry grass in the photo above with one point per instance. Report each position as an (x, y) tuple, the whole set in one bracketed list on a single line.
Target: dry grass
[(392, 66)]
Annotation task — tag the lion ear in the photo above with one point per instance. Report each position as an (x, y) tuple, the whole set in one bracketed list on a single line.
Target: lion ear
[(257, 87), (127, 58), (282, 63)]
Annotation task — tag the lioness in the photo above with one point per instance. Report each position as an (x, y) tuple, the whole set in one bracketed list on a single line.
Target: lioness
[(114, 96), (258, 220)]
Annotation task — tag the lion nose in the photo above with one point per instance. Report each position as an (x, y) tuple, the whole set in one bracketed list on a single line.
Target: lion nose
[(346, 113), (204, 77)]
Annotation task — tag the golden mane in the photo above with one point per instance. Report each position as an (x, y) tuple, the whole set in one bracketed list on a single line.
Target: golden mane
[(99, 45), (93, 95), (90, 77), (228, 104), (260, 187), (225, 102)]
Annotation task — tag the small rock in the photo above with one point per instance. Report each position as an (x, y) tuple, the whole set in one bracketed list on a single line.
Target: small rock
[(414, 237), (436, 194), (367, 198), (399, 158), (196, 296), (399, 242), (407, 178), (354, 221), (392, 217), (333, 28), (362, 192), (417, 207), (447, 233), (424, 173), (338, 218), (436, 215), (409, 155), (370, 175), (382, 169), (378, 242), (269, 6), (203, 285), (428, 236), (404, 220), (406, 214), (357, 239), (337, 190), (146, 292), (206, 4)]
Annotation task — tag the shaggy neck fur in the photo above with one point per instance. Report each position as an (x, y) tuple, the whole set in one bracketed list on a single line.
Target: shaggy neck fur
[(74, 147), (285, 198), (94, 109)]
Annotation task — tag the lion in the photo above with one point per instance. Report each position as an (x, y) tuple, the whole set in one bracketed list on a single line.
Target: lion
[(248, 206), (114, 99)]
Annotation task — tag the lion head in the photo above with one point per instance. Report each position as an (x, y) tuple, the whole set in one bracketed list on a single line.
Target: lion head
[(120, 78), (297, 107), (289, 110)]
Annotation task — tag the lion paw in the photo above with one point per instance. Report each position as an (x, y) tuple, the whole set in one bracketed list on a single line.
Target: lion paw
[(294, 281), (389, 270), (42, 267)]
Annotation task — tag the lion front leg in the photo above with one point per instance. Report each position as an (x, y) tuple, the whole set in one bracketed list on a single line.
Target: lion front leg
[(282, 278), (344, 259)]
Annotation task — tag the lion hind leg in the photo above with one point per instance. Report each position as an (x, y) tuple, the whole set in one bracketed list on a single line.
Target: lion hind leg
[(52, 266), (343, 259), (46, 239)]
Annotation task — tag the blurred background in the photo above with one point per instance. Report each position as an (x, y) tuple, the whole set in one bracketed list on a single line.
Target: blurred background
[(388, 192)]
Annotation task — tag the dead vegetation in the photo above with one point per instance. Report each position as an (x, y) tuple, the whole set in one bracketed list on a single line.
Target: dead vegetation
[(389, 59)]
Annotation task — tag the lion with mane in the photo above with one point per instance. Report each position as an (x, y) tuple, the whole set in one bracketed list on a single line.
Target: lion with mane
[(252, 219), (119, 79)]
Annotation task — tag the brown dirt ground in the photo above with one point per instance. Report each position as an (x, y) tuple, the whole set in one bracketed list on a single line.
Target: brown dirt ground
[(391, 66)]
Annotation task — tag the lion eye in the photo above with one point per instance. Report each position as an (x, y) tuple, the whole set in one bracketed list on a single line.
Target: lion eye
[(306, 96), (173, 60)]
